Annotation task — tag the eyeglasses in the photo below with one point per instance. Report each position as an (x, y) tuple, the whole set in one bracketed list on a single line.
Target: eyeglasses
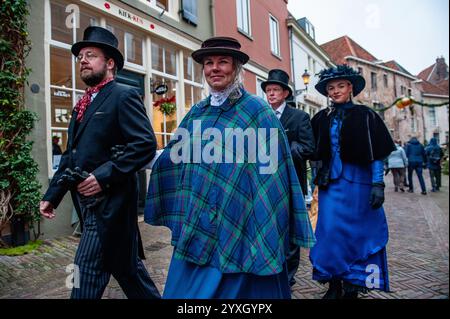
[(89, 56)]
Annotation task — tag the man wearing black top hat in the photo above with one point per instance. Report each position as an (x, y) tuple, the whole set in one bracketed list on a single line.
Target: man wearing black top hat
[(102, 182), (297, 126)]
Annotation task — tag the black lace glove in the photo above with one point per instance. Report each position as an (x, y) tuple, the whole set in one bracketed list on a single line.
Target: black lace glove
[(377, 195), (117, 151), (323, 176)]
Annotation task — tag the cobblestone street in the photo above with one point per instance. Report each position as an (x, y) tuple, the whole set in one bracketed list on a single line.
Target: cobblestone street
[(418, 256)]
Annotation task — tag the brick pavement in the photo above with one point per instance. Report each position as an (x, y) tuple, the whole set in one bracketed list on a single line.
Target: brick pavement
[(418, 256)]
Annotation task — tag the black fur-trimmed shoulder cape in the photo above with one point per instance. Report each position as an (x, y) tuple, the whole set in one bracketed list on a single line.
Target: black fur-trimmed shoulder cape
[(364, 137)]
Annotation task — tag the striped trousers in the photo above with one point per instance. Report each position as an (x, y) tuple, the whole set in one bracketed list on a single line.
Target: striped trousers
[(93, 279)]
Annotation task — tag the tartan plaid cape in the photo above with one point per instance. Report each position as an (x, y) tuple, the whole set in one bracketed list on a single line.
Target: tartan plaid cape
[(229, 215)]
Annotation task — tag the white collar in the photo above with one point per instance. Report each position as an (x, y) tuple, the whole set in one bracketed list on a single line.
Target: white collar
[(219, 97), (280, 108)]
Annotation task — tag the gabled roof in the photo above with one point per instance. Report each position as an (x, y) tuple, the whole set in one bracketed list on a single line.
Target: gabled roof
[(396, 66), (443, 85), (429, 88), (344, 46), (425, 74)]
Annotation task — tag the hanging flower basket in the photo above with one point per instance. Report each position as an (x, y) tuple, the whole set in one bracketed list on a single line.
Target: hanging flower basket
[(167, 106)]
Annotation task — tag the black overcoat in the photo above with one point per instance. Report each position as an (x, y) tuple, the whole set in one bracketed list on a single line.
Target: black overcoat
[(116, 116), (297, 126)]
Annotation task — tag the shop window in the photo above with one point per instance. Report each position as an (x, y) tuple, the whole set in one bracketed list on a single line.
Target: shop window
[(192, 95), (192, 70), (60, 32), (164, 58), (130, 43), (164, 125), (61, 107), (86, 20), (59, 18), (133, 44), (61, 67)]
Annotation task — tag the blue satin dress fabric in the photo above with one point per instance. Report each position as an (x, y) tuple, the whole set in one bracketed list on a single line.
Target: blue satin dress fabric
[(189, 280), (377, 172), (351, 236)]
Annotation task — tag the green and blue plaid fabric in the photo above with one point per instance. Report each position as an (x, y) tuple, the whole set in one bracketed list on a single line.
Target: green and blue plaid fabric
[(229, 215)]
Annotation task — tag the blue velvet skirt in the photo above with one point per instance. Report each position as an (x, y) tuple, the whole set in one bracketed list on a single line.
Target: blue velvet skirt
[(351, 237), (187, 280)]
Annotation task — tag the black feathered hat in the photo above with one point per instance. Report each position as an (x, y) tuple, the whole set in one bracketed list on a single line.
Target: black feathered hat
[(340, 72)]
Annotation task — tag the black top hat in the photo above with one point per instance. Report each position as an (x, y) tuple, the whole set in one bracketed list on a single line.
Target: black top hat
[(100, 38), (220, 46), (340, 72), (277, 76)]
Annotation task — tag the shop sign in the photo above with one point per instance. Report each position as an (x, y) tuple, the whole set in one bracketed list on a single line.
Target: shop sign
[(161, 89), (61, 93)]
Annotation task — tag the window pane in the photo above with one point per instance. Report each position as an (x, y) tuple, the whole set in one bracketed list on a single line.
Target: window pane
[(157, 56), (239, 14), (187, 97), (62, 134), (198, 73), (163, 4), (61, 107), (188, 66), (170, 123), (60, 67), (78, 81), (118, 32), (170, 60), (245, 16), (86, 20), (197, 94), (60, 32), (160, 140), (134, 48)]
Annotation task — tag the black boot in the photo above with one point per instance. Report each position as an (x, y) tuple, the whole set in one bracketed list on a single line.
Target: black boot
[(334, 291), (350, 291)]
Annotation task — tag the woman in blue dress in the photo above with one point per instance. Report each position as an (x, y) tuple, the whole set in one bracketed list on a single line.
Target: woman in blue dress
[(351, 142)]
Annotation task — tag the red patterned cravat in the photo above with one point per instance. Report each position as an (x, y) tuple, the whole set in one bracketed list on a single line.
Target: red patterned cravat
[(85, 100)]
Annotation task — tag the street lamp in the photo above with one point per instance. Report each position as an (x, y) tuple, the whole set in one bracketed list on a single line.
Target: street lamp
[(306, 76)]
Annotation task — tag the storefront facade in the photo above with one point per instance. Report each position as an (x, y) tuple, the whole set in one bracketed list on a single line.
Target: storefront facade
[(156, 39)]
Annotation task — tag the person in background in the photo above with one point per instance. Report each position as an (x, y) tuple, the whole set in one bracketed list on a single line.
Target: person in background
[(297, 126), (56, 149), (416, 162), (434, 154), (397, 163), (352, 142)]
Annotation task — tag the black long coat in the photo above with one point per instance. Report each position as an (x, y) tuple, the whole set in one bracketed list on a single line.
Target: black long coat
[(116, 116), (297, 125)]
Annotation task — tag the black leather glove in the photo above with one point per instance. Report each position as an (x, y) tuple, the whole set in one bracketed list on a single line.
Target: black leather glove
[(117, 151), (323, 176), (377, 195), (296, 151), (71, 178)]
